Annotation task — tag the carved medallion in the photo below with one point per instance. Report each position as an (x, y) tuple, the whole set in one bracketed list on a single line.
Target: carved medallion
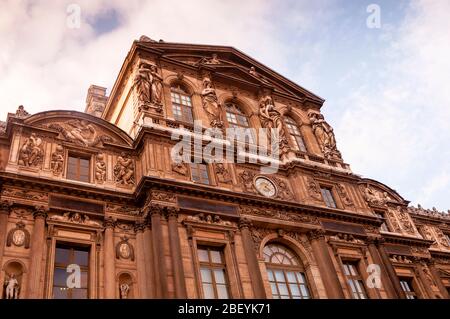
[(124, 249), (18, 236)]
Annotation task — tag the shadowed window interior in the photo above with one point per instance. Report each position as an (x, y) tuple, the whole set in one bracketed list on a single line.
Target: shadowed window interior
[(66, 255), (296, 136), (181, 105), (384, 226), (213, 273), (78, 168), (285, 273), (406, 284), (327, 195), (354, 280), (199, 173)]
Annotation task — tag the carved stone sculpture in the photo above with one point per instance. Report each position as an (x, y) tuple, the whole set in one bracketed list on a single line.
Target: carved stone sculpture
[(272, 120), (375, 197), (223, 175), (404, 220), (31, 153), (100, 169), (21, 112), (124, 249), (124, 290), (18, 236), (148, 85), (284, 192), (12, 287), (124, 170), (2, 127), (81, 132), (325, 136), (211, 104), (57, 163), (313, 189), (246, 178), (75, 218), (344, 196), (180, 168)]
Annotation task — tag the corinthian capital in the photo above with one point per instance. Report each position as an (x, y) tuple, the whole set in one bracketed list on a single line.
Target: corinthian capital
[(245, 222), (316, 234)]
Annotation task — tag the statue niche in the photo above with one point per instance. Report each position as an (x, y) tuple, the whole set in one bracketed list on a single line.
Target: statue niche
[(31, 153), (13, 279)]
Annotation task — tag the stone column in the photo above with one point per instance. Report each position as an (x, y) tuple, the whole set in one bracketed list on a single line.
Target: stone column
[(390, 270), (161, 284), (35, 289), (109, 260), (389, 287), (5, 208), (325, 263), (140, 260), (437, 278), (426, 282), (252, 259), (148, 258), (177, 258)]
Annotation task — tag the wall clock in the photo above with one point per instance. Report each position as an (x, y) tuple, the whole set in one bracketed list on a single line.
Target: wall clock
[(265, 186)]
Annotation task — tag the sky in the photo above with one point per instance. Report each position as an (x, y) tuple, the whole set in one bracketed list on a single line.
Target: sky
[(385, 77)]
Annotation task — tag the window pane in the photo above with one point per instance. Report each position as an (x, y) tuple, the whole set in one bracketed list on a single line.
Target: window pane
[(219, 276), (62, 255), (206, 275), (222, 292), (283, 289), (203, 255), (60, 277), (279, 276), (274, 289), (208, 291), (60, 293), (270, 275), (84, 279), (79, 293), (291, 277), (295, 291)]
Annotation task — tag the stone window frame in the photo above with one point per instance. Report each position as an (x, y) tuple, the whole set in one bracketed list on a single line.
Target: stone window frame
[(78, 154), (294, 131), (181, 90)]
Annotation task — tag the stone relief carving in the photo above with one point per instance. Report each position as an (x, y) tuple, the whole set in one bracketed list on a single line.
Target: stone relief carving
[(346, 199), (57, 163), (212, 60), (272, 119), (164, 197), (75, 218), (253, 72), (223, 175), (124, 170), (346, 238), (280, 215), (149, 86), (401, 259), (208, 219), (211, 103), (313, 189), (375, 197), (124, 290), (31, 153), (2, 127), (441, 238), (393, 221), (404, 220), (100, 168), (81, 132), (180, 168), (25, 194), (12, 287), (284, 192), (258, 234), (246, 178), (124, 249), (419, 210), (122, 209), (21, 112), (18, 236), (325, 136)]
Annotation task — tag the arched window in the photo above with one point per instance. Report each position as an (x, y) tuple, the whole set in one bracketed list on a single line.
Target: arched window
[(296, 136), (286, 274), (237, 119), (181, 104)]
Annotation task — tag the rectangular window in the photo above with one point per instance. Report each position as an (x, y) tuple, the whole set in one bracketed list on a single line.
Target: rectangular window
[(327, 195), (182, 107), (213, 273), (66, 285), (78, 168), (384, 226), (199, 173), (354, 280), (406, 284)]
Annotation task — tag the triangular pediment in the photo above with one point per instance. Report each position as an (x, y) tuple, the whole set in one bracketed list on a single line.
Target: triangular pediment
[(230, 63)]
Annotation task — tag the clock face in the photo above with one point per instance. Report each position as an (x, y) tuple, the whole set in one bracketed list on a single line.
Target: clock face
[(265, 186)]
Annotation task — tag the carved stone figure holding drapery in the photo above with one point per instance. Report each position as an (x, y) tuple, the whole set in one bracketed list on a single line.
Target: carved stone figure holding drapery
[(325, 136), (31, 152), (211, 104), (12, 287), (143, 84), (156, 86)]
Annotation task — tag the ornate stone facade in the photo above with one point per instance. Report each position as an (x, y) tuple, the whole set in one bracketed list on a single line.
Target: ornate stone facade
[(101, 185)]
